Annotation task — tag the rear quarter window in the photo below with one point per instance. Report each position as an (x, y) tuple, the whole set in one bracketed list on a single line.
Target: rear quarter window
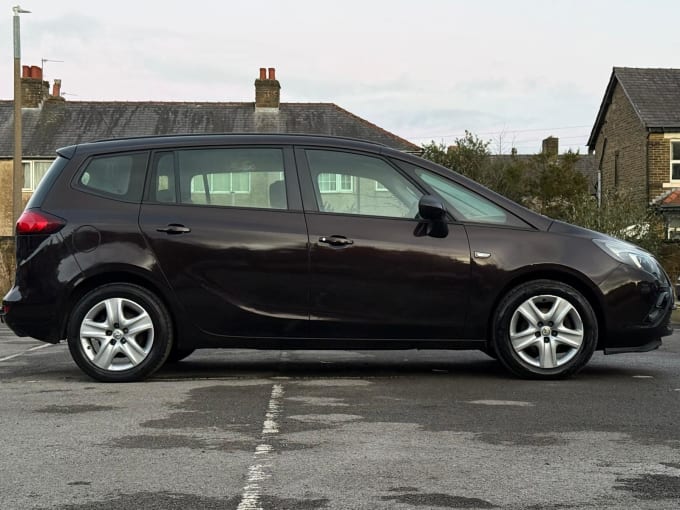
[(116, 176), (46, 183)]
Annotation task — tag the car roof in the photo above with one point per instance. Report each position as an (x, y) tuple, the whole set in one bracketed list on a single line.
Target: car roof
[(192, 140)]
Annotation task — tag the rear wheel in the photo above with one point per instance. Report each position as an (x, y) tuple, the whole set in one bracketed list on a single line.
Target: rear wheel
[(119, 333), (545, 330)]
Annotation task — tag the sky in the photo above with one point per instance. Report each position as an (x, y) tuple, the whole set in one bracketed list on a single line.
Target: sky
[(511, 72)]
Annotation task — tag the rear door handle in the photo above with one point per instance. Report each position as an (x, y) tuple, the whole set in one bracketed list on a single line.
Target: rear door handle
[(174, 228), (335, 240)]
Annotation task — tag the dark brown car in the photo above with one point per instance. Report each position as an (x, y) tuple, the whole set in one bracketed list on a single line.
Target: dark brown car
[(139, 251)]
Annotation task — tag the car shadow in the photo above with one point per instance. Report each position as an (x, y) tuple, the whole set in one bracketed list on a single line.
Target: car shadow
[(363, 364), (334, 364)]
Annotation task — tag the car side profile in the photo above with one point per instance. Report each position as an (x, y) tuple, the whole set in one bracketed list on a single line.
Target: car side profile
[(139, 251)]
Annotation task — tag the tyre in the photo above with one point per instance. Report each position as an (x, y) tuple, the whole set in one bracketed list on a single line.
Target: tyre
[(177, 355), (544, 330), (119, 333)]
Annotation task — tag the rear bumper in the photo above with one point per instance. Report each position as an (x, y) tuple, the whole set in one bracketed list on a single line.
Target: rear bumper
[(36, 321)]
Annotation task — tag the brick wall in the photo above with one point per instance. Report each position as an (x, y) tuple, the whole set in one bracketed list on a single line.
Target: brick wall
[(625, 136)]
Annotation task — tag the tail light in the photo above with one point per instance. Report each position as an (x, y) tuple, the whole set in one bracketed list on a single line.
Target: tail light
[(35, 221)]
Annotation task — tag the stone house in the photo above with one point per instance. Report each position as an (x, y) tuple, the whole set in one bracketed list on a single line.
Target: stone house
[(636, 139), (50, 122)]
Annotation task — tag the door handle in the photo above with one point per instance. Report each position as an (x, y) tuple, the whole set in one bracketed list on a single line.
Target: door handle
[(174, 228), (336, 240)]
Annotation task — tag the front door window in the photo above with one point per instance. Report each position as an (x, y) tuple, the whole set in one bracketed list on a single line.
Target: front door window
[(347, 183)]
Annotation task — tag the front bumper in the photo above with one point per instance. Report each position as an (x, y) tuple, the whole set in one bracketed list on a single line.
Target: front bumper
[(638, 311)]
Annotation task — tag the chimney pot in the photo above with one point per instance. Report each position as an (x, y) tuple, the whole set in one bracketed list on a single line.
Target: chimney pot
[(25, 71), (263, 73), (272, 73), (36, 72)]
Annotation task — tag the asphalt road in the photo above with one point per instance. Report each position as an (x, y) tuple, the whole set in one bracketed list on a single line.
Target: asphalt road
[(338, 430)]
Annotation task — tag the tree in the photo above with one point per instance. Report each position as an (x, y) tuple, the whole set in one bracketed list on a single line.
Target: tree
[(468, 155), (555, 183), (553, 186)]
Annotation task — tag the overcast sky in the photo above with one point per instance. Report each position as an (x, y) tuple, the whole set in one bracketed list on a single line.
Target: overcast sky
[(513, 72)]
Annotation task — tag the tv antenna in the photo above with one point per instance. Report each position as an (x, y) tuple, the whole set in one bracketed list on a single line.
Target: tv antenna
[(42, 63)]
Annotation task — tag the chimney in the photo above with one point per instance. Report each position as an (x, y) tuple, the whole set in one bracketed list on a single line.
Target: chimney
[(551, 146), (267, 89), (33, 89), (56, 88)]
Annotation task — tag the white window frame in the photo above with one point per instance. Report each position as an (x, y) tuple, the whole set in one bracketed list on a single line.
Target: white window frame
[(338, 184), (31, 185), (231, 184), (380, 187), (673, 161), (670, 230)]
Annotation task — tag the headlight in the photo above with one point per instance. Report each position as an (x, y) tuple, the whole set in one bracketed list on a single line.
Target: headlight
[(631, 255)]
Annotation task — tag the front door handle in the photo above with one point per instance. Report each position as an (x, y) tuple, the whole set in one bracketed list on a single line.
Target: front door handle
[(174, 228), (336, 240)]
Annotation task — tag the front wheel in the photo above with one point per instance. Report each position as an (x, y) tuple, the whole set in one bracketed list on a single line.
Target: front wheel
[(119, 333), (545, 330)]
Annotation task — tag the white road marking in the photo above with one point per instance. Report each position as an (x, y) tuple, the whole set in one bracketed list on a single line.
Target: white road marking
[(501, 403), (273, 410), (643, 377), (257, 472), (6, 358)]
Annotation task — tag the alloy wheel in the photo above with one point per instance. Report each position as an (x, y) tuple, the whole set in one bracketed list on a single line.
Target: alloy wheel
[(117, 334), (546, 331)]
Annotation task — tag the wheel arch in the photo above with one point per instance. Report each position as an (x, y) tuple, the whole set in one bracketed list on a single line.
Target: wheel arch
[(117, 275), (561, 274)]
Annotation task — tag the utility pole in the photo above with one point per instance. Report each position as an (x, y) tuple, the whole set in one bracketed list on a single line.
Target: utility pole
[(18, 170)]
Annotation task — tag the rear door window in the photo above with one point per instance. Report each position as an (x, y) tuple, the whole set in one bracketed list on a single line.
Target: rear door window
[(227, 177)]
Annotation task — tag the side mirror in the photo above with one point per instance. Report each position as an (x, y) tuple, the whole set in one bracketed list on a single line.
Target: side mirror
[(431, 208)]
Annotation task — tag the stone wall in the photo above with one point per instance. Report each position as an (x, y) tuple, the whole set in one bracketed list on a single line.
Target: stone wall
[(6, 185), (621, 149), (6, 264)]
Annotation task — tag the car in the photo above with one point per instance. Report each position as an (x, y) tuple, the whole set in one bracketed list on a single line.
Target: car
[(138, 251)]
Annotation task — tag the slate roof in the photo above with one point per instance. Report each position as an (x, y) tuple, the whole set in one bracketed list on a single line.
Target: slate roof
[(60, 123), (653, 93)]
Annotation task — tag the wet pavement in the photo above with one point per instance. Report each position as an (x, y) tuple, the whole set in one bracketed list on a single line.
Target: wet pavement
[(243, 429)]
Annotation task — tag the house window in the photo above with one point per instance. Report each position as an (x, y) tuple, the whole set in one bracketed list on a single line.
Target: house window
[(34, 171), (675, 161), (673, 227), (232, 182), (227, 177), (616, 169), (335, 183)]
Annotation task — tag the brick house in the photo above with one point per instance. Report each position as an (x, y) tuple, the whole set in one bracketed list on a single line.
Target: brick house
[(50, 122), (636, 139)]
